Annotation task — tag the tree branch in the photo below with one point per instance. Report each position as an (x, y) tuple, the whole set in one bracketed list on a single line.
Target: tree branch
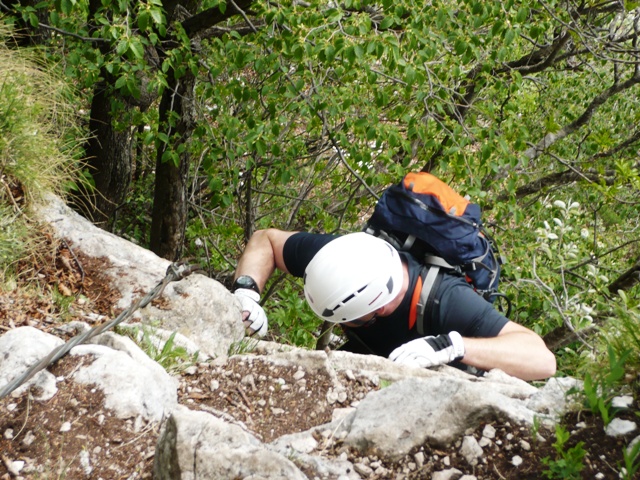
[(543, 57), (212, 16), (551, 138), (557, 178), (627, 280), (608, 252), (466, 93)]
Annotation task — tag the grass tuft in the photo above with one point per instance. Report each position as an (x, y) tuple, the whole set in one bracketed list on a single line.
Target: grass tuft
[(39, 146)]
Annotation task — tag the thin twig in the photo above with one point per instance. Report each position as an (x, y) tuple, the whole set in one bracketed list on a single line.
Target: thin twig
[(26, 418), (244, 398), (76, 259), (499, 474)]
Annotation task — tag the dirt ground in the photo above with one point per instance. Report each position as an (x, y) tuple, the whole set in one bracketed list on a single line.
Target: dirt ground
[(72, 436)]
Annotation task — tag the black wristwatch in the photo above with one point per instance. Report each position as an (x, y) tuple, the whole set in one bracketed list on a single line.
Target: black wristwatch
[(245, 281)]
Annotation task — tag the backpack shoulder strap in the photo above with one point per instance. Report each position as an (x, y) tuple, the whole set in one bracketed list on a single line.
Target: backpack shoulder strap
[(433, 260), (423, 301)]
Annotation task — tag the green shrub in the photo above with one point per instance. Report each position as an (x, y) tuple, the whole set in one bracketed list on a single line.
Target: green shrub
[(568, 462)]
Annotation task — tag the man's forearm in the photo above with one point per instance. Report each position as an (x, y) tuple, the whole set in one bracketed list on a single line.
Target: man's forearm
[(519, 353)]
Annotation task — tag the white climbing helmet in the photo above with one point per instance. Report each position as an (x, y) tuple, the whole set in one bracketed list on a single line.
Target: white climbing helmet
[(352, 276)]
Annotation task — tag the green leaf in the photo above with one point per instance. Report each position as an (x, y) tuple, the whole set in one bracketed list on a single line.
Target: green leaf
[(349, 55), (330, 53), (137, 49), (33, 20), (66, 6), (121, 82), (364, 28), (409, 75), (522, 14), (143, 20), (386, 23), (509, 36), (460, 46), (122, 47), (156, 15)]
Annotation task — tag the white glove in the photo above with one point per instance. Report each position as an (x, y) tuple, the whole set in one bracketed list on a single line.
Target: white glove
[(430, 351), (253, 316)]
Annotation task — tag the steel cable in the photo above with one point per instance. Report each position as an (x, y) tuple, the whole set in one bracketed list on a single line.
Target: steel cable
[(175, 271)]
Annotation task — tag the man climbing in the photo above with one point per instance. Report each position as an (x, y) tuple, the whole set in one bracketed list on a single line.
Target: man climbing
[(367, 286)]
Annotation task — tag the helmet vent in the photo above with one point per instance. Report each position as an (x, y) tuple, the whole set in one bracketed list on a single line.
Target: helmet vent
[(329, 312), (390, 284)]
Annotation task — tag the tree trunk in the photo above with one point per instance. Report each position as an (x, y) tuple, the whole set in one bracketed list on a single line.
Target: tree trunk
[(108, 158), (108, 151), (169, 215), (23, 34)]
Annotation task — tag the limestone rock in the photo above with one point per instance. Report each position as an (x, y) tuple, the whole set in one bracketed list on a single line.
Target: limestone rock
[(199, 445), (436, 410), (131, 387), (21, 348)]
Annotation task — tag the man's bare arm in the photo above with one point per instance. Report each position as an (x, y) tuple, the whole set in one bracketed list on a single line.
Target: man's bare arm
[(262, 255), (516, 350)]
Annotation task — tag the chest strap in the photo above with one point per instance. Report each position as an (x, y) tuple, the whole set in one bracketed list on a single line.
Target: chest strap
[(423, 296)]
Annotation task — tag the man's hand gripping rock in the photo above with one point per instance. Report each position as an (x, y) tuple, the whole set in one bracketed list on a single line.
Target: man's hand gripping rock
[(430, 351), (253, 316)]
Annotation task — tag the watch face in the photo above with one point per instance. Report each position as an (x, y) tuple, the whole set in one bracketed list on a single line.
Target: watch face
[(245, 281)]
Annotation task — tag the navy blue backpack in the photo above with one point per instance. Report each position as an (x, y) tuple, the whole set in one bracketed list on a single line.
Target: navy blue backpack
[(426, 217)]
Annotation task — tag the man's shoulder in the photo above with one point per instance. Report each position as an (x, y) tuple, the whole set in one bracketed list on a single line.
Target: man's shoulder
[(309, 240), (301, 247)]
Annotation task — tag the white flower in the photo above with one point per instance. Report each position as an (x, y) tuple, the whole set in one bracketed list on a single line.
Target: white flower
[(584, 233), (586, 308), (546, 225), (552, 236), (558, 222), (574, 205), (560, 204)]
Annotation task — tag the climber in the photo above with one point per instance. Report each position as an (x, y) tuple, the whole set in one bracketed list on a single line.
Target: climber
[(368, 287)]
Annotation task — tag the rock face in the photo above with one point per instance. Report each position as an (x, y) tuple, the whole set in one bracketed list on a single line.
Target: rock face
[(423, 407), (436, 410), (212, 319), (414, 407)]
